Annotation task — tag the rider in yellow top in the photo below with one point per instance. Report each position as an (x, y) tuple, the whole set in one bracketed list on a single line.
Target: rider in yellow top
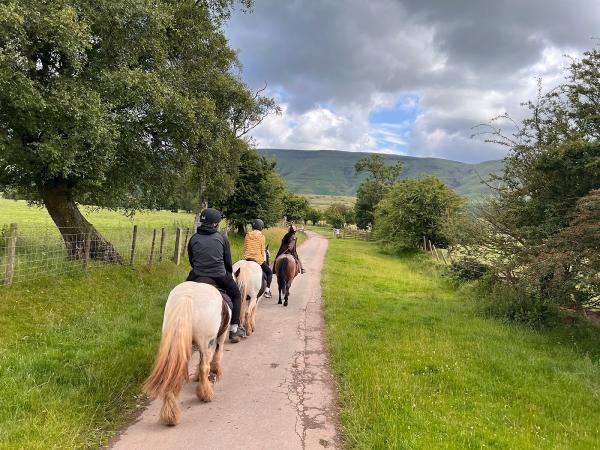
[(255, 250)]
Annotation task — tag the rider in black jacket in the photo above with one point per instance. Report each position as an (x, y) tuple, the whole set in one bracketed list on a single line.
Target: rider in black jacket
[(210, 257)]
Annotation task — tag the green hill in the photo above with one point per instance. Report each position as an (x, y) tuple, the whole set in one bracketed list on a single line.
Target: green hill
[(329, 172)]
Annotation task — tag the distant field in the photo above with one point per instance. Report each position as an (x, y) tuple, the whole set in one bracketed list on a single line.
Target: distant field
[(418, 368), (19, 212), (322, 202), (41, 252)]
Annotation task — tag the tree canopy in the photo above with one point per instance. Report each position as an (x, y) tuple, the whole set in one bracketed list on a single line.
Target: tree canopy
[(416, 208), (258, 192), (380, 177), (109, 103), (295, 207)]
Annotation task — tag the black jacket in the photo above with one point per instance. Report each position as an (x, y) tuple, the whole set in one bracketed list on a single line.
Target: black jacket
[(209, 253)]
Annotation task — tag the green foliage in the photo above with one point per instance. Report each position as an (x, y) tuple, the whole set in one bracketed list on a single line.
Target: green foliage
[(467, 269), (414, 209), (295, 207), (328, 172), (417, 366), (314, 215), (338, 215), (380, 178), (258, 192), (540, 234), (111, 103)]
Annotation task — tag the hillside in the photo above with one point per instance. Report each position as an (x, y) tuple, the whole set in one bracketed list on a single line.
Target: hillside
[(329, 172)]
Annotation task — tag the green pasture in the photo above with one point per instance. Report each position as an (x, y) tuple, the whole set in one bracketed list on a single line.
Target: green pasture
[(41, 253), (322, 202), (417, 367)]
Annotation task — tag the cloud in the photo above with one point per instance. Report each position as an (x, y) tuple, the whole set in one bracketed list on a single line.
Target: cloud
[(334, 65)]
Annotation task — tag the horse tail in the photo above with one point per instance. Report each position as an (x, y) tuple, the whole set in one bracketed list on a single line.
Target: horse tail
[(171, 367), (281, 273), (243, 279)]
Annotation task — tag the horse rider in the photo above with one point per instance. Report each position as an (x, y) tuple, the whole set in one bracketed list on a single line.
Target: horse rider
[(255, 250), (210, 257), (288, 245)]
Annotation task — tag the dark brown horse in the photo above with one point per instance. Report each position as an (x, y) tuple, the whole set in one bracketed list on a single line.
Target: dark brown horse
[(286, 267)]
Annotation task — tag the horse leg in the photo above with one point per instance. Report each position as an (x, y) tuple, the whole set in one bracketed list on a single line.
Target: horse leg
[(280, 288), (253, 317), (287, 292), (215, 364), (204, 390), (248, 326)]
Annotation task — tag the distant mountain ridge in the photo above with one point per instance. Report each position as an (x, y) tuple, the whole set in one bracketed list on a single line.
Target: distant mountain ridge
[(331, 172)]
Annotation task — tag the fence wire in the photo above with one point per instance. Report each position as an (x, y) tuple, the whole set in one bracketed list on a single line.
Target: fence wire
[(31, 251)]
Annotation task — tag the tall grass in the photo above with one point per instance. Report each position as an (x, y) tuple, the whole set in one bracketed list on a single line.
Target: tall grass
[(418, 368)]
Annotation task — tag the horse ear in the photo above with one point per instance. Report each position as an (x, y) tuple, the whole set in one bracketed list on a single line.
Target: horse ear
[(267, 248), (237, 272)]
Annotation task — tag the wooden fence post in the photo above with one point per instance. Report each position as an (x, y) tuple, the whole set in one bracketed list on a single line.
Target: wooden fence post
[(430, 247), (11, 255), (436, 253), (86, 249), (161, 250), (177, 252), (183, 247), (424, 244), (133, 244), (152, 247), (443, 257)]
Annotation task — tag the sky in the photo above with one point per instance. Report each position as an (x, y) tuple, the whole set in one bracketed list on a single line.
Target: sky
[(408, 77)]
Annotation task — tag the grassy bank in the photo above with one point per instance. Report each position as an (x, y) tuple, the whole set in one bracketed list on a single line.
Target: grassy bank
[(417, 368), (75, 349)]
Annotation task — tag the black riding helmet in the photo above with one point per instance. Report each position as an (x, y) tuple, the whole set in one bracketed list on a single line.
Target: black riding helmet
[(258, 224), (210, 216)]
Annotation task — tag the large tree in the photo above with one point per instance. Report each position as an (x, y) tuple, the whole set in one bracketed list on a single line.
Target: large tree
[(257, 194), (380, 177), (415, 209), (111, 102), (295, 207)]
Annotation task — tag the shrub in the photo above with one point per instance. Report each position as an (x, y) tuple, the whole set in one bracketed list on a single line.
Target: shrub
[(414, 209), (467, 269)]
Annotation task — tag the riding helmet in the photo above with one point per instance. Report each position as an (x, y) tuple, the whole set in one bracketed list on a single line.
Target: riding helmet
[(210, 215), (258, 224)]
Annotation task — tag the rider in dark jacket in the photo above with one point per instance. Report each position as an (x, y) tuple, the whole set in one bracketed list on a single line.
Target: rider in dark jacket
[(288, 245), (210, 257)]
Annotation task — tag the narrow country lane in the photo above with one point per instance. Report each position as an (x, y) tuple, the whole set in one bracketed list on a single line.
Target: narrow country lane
[(276, 392)]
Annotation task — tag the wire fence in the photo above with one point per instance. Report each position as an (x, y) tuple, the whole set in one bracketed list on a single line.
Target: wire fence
[(29, 251)]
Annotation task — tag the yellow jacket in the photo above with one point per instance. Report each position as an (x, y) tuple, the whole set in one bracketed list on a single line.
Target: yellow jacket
[(255, 246)]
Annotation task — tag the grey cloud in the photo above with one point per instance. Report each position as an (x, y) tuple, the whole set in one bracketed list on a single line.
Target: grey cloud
[(464, 58)]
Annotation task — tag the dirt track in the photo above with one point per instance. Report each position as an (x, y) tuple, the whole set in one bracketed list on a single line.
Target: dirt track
[(276, 392)]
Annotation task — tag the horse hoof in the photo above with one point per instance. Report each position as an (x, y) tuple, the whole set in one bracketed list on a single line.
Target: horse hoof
[(279, 302), (285, 303)]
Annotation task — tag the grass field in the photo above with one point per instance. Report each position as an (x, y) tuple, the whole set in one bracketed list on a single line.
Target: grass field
[(75, 348), (418, 368), (322, 202)]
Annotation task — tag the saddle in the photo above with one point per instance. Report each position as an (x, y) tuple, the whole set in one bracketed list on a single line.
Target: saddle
[(225, 312)]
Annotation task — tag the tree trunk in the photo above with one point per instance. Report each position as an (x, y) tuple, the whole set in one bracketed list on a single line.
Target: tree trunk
[(73, 226)]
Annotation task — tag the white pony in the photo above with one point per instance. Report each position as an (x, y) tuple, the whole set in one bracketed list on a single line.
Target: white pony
[(249, 278), (195, 313)]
